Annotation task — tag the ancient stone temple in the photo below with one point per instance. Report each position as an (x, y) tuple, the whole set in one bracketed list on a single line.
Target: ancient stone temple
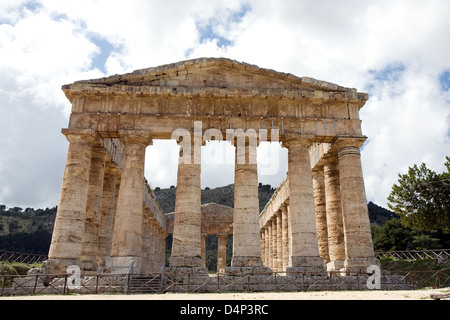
[(109, 221)]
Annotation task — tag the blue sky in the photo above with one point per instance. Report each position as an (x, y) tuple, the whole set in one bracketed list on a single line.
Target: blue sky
[(392, 49)]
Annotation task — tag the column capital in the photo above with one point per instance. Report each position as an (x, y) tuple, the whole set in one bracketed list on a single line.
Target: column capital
[(135, 137), (342, 142), (300, 141), (89, 136)]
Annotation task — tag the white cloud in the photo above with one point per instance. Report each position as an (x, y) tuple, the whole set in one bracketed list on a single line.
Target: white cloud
[(395, 50)]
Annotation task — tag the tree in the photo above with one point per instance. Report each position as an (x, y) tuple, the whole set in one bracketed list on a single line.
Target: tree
[(422, 198)]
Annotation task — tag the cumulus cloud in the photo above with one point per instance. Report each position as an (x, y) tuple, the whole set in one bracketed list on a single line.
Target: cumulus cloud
[(394, 50)]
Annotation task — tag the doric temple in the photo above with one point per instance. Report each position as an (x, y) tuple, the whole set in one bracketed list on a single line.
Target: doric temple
[(109, 221)]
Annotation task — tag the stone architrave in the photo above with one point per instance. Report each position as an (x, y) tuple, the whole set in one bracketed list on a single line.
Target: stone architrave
[(127, 237), (358, 240), (66, 244), (335, 222), (304, 243)]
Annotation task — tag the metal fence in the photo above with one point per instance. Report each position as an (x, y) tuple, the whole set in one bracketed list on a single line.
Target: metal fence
[(415, 254), (27, 258), (219, 283)]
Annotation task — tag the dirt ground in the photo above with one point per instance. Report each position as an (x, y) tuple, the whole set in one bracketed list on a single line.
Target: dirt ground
[(423, 294)]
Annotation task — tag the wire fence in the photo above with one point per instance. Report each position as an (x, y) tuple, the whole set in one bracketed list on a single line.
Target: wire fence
[(191, 283), (415, 254), (27, 258)]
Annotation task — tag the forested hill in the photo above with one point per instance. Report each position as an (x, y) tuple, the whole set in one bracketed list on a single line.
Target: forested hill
[(29, 230), (221, 195)]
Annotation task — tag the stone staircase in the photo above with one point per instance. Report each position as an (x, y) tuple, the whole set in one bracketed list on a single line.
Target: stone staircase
[(144, 284)]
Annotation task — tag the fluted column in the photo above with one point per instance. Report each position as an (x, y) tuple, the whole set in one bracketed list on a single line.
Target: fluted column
[(204, 235), (246, 244), (269, 245), (274, 244), (126, 242), (284, 236), (279, 234), (221, 251), (187, 242), (111, 177), (334, 213), (304, 243), (69, 223), (262, 239), (321, 213), (358, 240), (93, 210)]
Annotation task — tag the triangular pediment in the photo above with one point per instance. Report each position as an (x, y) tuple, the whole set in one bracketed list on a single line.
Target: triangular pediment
[(216, 73)]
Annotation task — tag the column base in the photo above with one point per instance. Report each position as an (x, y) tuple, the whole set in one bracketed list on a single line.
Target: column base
[(58, 266), (335, 265), (239, 271), (302, 264), (123, 265), (360, 264), (246, 266), (88, 266), (240, 261), (189, 262)]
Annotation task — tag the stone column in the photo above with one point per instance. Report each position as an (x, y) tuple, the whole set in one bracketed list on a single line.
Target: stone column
[(269, 244), (187, 243), (221, 252), (262, 239), (274, 244), (146, 244), (304, 243), (90, 238), (321, 213), (284, 236), (246, 245), (204, 235), (279, 241), (358, 239), (126, 242), (65, 248), (334, 214), (112, 175)]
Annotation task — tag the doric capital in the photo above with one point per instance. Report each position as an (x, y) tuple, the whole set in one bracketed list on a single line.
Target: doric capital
[(294, 142), (89, 136), (342, 142), (135, 137)]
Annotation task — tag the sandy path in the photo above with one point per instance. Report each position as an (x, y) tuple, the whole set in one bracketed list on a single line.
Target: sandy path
[(423, 294)]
